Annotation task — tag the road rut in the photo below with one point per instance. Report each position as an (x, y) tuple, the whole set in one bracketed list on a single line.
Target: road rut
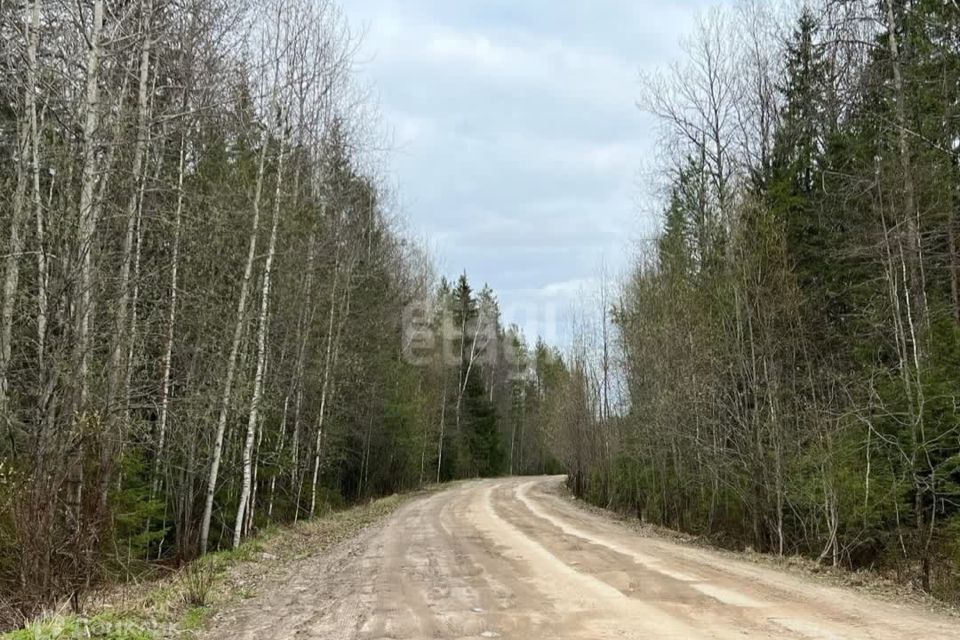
[(511, 558)]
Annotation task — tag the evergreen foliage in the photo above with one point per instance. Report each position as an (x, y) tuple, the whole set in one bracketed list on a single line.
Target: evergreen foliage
[(790, 352)]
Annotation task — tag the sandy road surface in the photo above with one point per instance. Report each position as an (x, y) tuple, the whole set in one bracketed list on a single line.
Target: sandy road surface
[(512, 559)]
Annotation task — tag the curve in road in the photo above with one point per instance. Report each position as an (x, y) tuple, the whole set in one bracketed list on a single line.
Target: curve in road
[(512, 558)]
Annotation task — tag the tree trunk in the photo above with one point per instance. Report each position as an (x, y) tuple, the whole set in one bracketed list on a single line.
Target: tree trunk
[(133, 206), (910, 212), (234, 349), (305, 324), (443, 419), (37, 201), (916, 313), (11, 281), (273, 476), (171, 322), (261, 356), (329, 357), (88, 210)]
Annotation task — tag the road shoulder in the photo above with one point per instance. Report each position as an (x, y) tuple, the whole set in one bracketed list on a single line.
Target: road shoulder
[(192, 600), (864, 582)]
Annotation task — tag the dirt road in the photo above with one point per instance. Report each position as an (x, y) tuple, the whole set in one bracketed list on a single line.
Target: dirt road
[(512, 558)]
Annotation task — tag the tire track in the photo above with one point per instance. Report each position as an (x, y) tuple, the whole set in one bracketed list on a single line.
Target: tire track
[(510, 558)]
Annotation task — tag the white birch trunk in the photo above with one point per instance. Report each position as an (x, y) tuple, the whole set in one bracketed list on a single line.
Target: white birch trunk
[(261, 358), (283, 436), (37, 201), (12, 273), (329, 368), (232, 358), (473, 356), (133, 208), (252, 508), (88, 208), (325, 385), (306, 322), (171, 323)]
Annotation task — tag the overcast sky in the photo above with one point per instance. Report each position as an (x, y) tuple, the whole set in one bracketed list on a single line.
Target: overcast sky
[(517, 147)]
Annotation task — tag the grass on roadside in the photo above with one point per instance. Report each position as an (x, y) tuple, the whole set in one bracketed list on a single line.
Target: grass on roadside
[(177, 605)]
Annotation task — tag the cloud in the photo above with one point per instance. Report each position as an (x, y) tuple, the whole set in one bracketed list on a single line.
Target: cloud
[(518, 142), (479, 52), (568, 288), (534, 61), (550, 310)]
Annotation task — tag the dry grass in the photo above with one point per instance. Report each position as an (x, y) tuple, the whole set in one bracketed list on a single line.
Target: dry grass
[(177, 604)]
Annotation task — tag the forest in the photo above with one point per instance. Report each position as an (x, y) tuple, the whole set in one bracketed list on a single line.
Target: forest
[(788, 346), (204, 321), (212, 319)]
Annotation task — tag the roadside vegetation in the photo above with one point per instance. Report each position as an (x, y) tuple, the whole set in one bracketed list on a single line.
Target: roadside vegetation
[(176, 603), (789, 345), (206, 302), (212, 325)]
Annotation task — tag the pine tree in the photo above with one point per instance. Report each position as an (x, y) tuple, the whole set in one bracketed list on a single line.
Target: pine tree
[(797, 165)]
